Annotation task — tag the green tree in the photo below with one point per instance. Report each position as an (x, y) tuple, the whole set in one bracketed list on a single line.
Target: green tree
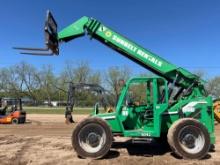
[(10, 84), (27, 76), (112, 77), (47, 81), (213, 87)]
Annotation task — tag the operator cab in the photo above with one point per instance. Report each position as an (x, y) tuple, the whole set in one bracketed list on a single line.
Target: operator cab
[(140, 100), (145, 91)]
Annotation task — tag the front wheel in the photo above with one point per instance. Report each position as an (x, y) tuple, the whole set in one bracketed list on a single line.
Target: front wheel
[(189, 139), (92, 138), (15, 121)]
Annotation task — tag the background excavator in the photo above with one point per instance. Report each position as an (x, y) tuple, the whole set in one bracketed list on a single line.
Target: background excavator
[(174, 102), (75, 88)]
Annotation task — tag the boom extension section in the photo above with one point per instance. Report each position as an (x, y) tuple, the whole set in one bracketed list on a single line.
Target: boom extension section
[(129, 49)]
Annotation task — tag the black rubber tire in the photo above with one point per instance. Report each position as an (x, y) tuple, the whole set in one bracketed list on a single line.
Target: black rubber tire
[(14, 121), (175, 145), (105, 148), (212, 148), (162, 140)]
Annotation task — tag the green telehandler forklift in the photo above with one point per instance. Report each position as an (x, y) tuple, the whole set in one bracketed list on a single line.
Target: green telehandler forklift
[(174, 102)]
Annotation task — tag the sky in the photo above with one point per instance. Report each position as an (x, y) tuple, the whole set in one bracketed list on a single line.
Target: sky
[(184, 32)]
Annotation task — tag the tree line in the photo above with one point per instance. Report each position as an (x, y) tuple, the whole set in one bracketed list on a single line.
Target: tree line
[(42, 84)]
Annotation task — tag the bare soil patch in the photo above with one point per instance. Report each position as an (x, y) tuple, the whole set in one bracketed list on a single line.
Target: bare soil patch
[(45, 139)]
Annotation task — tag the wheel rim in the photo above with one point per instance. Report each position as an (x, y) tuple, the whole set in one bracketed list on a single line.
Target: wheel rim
[(14, 121), (92, 138), (191, 139)]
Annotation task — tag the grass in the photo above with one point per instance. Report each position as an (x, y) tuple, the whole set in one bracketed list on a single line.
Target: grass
[(56, 110)]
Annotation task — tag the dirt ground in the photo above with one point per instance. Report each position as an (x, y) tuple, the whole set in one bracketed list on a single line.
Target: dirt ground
[(45, 140)]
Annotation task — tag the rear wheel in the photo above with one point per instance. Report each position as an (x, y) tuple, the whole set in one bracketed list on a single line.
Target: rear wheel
[(14, 121), (92, 138), (189, 139)]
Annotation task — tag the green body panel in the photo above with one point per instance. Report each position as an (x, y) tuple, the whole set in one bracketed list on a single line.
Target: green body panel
[(74, 30), (159, 112)]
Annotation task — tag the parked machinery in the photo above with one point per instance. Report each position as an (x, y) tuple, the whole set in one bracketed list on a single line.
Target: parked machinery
[(174, 102), (11, 111), (75, 88)]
